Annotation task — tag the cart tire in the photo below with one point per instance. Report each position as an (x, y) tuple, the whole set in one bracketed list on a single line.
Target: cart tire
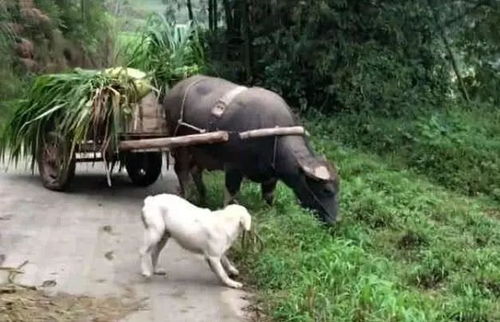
[(143, 168), (55, 164)]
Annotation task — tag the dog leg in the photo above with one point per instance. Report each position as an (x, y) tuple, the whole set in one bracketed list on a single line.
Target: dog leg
[(226, 263), (156, 252), (216, 267), (151, 239)]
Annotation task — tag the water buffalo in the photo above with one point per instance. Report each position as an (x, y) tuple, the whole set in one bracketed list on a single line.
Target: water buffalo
[(202, 102)]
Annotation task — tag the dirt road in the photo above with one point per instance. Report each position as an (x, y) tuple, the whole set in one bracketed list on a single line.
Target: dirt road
[(87, 241)]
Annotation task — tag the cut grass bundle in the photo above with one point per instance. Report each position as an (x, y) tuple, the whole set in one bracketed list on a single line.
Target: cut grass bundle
[(78, 106), (170, 52)]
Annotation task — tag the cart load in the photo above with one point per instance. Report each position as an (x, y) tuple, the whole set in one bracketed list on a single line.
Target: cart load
[(85, 112)]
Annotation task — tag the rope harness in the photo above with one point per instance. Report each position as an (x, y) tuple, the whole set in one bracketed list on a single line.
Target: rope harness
[(215, 114), (222, 104), (180, 121), (275, 148), (316, 199)]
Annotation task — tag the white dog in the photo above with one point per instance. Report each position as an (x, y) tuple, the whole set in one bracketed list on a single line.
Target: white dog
[(199, 230)]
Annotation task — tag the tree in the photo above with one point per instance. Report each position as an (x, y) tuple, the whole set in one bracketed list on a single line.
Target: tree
[(190, 10), (381, 55)]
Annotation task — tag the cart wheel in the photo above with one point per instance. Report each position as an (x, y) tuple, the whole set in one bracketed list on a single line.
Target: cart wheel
[(56, 166), (143, 168)]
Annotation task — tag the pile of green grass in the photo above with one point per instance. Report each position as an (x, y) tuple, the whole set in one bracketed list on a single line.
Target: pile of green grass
[(408, 249), (80, 105)]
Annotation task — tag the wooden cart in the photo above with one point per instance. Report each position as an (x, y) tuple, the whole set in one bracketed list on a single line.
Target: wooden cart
[(139, 150)]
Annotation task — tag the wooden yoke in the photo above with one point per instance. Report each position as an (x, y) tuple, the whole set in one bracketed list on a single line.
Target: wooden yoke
[(205, 138)]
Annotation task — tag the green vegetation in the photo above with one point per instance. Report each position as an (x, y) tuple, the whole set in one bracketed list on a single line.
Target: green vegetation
[(168, 51), (402, 97), (457, 148), (386, 57), (46, 36), (10, 82)]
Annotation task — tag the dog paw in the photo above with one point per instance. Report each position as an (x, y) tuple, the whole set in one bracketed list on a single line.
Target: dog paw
[(160, 271), (235, 284), (146, 274)]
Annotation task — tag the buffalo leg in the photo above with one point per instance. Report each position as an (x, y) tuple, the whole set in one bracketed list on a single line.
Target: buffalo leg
[(182, 170), (233, 184), (267, 189), (197, 174)]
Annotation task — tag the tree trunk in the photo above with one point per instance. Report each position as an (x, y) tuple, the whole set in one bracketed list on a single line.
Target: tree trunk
[(228, 13), (447, 45), (247, 38), (210, 15), (229, 25), (82, 5), (190, 10), (237, 8), (215, 14)]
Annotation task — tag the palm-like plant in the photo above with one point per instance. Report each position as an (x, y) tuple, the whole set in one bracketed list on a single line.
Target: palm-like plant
[(170, 52)]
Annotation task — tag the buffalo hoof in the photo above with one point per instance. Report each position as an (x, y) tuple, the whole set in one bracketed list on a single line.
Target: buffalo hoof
[(269, 199)]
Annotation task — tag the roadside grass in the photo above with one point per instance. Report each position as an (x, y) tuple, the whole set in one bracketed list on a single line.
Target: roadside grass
[(406, 250)]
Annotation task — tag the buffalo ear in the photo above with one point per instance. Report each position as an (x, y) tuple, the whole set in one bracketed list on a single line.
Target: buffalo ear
[(316, 170)]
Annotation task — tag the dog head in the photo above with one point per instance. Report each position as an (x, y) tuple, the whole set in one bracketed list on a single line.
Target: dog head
[(242, 213)]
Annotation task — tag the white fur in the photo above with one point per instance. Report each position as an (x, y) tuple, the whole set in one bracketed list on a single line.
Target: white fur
[(199, 230)]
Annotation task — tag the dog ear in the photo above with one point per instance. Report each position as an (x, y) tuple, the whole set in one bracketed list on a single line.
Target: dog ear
[(245, 221)]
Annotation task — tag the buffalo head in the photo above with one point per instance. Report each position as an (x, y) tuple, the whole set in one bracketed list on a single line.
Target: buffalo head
[(318, 188)]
